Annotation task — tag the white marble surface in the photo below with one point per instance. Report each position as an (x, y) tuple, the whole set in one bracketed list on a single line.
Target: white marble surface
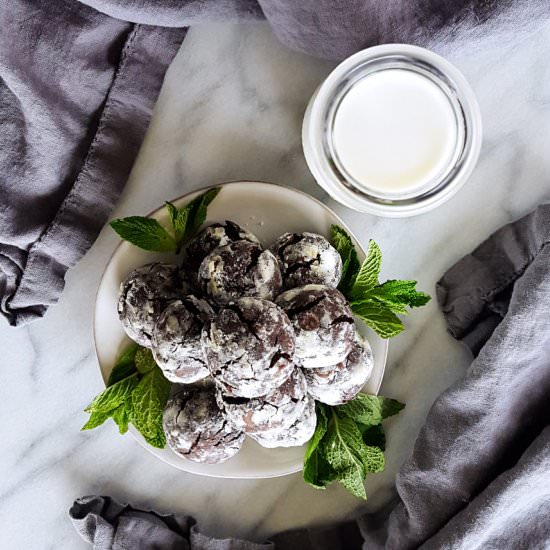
[(230, 109)]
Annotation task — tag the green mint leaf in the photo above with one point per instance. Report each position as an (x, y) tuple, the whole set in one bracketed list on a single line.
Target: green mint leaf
[(197, 210), (373, 436), (350, 262), (95, 420), (121, 416), (317, 471), (320, 429), (178, 219), (124, 366), (373, 458), (344, 450), (144, 360), (378, 317), (369, 410), (364, 409), (389, 407), (367, 278), (351, 480), (113, 396), (148, 401), (145, 233), (397, 295)]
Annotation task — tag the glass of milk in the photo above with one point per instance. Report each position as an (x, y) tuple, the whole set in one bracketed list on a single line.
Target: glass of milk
[(394, 130)]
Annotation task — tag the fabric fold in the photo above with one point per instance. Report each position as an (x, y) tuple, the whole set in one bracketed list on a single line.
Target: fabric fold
[(475, 293), (69, 138)]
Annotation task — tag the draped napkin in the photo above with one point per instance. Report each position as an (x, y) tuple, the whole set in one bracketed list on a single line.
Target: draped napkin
[(78, 81), (479, 474)]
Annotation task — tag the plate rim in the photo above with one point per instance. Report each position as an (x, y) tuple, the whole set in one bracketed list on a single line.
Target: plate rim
[(135, 434)]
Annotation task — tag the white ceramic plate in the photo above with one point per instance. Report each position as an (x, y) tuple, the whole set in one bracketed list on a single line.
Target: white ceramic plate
[(268, 211)]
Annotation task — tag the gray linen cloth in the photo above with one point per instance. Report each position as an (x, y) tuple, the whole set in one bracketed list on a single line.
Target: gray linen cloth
[(479, 474), (78, 81)]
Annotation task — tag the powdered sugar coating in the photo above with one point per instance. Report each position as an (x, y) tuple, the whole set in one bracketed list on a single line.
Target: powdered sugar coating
[(278, 409), (196, 429), (323, 324), (176, 341), (212, 237), (240, 269), (298, 433), (249, 347), (143, 296), (340, 383), (307, 258)]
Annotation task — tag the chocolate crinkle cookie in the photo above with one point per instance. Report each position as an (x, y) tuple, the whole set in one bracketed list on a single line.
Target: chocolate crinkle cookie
[(340, 383), (249, 347), (298, 433), (240, 269), (212, 237), (307, 258), (196, 429), (176, 341), (277, 410), (323, 324), (143, 296)]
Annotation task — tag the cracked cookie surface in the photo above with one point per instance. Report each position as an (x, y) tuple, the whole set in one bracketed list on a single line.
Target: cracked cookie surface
[(298, 433), (212, 237), (323, 324), (144, 294), (176, 340), (240, 269), (196, 429), (307, 258), (340, 383), (278, 409), (249, 347)]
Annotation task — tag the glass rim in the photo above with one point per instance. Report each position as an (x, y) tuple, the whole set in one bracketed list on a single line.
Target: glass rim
[(323, 159)]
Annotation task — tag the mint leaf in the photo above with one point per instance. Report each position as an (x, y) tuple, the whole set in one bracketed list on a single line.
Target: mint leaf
[(148, 401), (369, 410), (352, 480), (95, 420), (124, 366), (378, 317), (197, 210), (320, 429), (373, 436), (144, 360), (350, 262), (121, 416), (145, 233), (345, 451), (373, 457), (348, 442), (367, 278), (364, 409), (389, 407), (113, 396), (178, 219), (317, 471), (399, 294)]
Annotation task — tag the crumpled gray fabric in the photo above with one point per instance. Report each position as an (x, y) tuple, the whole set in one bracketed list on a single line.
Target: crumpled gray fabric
[(479, 474), (110, 525), (78, 80)]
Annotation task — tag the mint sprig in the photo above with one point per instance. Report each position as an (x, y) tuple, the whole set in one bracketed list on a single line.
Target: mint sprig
[(348, 442), (149, 234), (375, 303), (136, 393)]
